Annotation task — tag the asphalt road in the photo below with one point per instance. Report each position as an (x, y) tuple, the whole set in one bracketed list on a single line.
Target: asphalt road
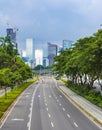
[(43, 107)]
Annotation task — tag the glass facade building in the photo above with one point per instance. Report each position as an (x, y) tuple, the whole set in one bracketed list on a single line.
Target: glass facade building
[(30, 49), (10, 32), (67, 44), (52, 52)]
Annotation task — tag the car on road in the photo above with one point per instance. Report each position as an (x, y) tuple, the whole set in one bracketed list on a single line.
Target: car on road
[(57, 78)]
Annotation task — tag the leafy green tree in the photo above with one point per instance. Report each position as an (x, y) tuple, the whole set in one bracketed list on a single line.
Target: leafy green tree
[(13, 70), (83, 63), (16, 79), (5, 78), (39, 67)]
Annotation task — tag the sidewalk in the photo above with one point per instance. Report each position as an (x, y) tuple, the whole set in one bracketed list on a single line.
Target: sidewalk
[(89, 108)]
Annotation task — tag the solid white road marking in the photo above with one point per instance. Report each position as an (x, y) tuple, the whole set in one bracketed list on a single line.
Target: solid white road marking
[(75, 124), (52, 124), (31, 109), (68, 115), (29, 116), (32, 101), (28, 124)]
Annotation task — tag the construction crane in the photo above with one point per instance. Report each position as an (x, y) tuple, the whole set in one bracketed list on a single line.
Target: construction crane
[(12, 32), (13, 26)]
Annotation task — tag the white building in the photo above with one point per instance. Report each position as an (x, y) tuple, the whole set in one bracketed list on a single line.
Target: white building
[(22, 53), (30, 53), (39, 57)]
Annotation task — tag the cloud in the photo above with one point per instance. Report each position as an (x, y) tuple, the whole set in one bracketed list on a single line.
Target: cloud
[(4, 18), (52, 19)]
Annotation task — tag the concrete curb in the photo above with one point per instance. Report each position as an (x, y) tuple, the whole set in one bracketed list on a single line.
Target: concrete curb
[(81, 107)]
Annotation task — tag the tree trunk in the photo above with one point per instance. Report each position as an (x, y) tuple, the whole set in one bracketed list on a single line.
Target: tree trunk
[(100, 83), (5, 93)]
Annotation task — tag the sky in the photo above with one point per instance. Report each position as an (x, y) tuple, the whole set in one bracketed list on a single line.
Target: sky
[(50, 20)]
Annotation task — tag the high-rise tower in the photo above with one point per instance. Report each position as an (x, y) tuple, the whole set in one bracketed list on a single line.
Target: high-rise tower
[(67, 44), (52, 52), (12, 33), (30, 51)]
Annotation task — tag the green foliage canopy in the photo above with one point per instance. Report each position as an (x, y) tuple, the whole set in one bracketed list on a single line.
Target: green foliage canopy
[(83, 62)]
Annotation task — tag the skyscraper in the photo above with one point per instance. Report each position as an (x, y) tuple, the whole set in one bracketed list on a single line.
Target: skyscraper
[(52, 52), (38, 57), (30, 53), (45, 61), (10, 32), (67, 44)]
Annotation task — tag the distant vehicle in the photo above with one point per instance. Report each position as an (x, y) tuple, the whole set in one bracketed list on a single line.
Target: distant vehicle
[(57, 78)]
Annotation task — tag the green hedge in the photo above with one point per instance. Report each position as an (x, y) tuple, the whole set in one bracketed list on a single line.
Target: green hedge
[(85, 91)]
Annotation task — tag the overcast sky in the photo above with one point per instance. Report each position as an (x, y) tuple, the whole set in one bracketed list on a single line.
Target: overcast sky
[(51, 20)]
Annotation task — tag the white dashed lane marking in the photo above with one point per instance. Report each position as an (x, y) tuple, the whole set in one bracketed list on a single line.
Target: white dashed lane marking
[(39, 96), (16, 119), (60, 104), (47, 108), (68, 115), (49, 96), (57, 100), (52, 124), (60, 96), (45, 104), (49, 115), (63, 109), (76, 125), (27, 96)]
